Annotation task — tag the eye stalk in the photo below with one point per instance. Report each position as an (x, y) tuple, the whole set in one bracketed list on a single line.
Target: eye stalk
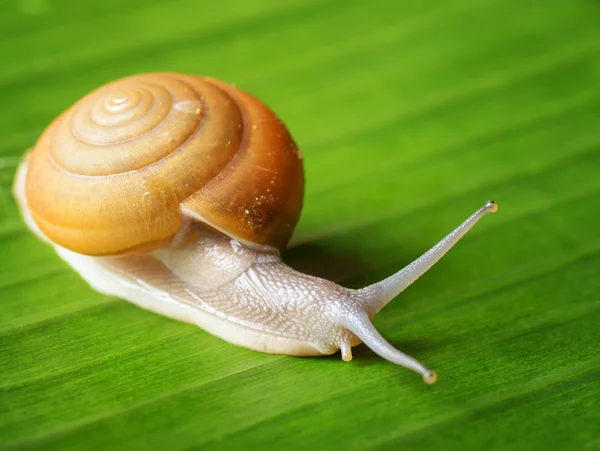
[(374, 297), (380, 294)]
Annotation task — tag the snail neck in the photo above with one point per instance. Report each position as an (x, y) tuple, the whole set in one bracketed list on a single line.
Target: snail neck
[(209, 260)]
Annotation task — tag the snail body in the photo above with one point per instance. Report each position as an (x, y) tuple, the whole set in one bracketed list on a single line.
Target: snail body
[(177, 193)]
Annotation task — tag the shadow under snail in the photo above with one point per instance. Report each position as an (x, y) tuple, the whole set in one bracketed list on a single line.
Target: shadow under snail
[(177, 193)]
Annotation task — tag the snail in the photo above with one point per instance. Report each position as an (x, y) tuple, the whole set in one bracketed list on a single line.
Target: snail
[(178, 193)]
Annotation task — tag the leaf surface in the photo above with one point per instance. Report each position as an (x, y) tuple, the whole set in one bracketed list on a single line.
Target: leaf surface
[(410, 115)]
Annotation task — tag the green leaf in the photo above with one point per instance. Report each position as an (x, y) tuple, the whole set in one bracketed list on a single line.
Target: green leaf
[(410, 115)]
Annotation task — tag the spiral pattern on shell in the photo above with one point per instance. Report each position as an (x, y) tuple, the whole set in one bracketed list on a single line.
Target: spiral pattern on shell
[(120, 170)]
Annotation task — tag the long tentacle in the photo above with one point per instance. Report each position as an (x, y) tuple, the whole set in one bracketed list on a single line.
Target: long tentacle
[(358, 322), (376, 296)]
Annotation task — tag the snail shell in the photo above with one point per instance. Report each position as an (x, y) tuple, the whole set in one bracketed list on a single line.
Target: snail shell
[(121, 170), (177, 193)]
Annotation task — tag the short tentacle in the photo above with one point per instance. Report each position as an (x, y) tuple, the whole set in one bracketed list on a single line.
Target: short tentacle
[(346, 349)]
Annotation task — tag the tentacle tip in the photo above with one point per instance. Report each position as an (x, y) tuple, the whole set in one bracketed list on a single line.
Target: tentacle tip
[(430, 377), (491, 206)]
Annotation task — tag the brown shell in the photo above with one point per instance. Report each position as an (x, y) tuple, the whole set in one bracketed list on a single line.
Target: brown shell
[(119, 171)]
